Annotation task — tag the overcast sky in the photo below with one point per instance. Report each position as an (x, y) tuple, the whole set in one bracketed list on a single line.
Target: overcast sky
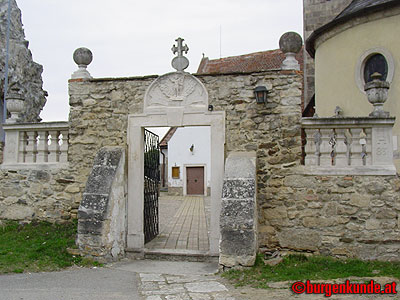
[(134, 38)]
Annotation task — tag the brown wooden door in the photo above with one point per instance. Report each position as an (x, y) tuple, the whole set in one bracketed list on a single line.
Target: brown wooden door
[(195, 180)]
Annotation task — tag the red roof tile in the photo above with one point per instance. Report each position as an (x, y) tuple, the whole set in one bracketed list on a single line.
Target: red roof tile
[(253, 62), (167, 137)]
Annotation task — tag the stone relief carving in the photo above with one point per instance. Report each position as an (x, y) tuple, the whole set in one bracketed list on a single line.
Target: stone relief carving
[(178, 89)]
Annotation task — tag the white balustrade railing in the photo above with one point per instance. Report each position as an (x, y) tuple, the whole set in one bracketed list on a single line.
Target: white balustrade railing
[(36, 143), (359, 145)]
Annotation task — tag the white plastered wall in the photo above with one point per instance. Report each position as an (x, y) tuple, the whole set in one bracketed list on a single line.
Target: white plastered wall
[(181, 156)]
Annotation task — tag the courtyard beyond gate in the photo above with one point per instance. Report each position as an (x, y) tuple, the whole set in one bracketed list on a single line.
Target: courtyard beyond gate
[(183, 225)]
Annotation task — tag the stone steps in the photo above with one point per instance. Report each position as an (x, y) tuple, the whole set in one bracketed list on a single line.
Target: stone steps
[(175, 255)]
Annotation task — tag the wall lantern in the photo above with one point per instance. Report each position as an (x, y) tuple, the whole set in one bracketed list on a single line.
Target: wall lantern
[(261, 94)]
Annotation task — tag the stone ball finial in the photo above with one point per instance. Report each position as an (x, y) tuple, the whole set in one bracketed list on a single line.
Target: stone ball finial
[(290, 43), (82, 57)]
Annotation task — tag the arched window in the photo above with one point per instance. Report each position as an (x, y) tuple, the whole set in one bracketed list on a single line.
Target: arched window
[(374, 60), (375, 63)]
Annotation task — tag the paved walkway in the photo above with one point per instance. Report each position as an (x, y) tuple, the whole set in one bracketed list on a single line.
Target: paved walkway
[(154, 280), (129, 280), (186, 228)]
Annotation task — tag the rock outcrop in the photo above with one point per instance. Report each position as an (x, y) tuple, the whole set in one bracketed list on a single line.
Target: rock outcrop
[(22, 69)]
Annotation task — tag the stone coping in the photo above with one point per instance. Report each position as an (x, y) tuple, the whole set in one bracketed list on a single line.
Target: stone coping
[(133, 78), (346, 122), (377, 170), (34, 166), (44, 125)]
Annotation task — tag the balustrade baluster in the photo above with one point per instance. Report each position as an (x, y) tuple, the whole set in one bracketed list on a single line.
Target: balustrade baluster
[(53, 147), (42, 147), (31, 147), (348, 141), (341, 148), (326, 148), (312, 147), (356, 147), (23, 141), (64, 146), (368, 137)]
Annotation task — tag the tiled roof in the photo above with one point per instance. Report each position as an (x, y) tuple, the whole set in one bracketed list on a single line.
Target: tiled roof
[(247, 63), (355, 9), (167, 137), (358, 5)]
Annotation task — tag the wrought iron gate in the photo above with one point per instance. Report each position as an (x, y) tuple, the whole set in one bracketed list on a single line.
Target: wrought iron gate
[(151, 185)]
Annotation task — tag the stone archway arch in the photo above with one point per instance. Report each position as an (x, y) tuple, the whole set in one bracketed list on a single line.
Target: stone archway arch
[(175, 99)]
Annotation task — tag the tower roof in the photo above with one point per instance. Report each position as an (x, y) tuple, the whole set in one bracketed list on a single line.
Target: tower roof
[(360, 5), (356, 8)]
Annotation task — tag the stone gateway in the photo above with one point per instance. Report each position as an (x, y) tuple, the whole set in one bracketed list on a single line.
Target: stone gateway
[(279, 182)]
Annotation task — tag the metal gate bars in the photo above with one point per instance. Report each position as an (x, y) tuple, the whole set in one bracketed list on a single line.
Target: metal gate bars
[(151, 185)]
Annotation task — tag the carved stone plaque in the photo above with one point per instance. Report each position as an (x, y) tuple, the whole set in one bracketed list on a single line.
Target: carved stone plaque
[(178, 89)]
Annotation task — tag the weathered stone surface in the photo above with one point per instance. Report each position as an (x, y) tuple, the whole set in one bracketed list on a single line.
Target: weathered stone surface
[(238, 189), (237, 214), (276, 216), (102, 209), (22, 69), (100, 179), (300, 239), (238, 219)]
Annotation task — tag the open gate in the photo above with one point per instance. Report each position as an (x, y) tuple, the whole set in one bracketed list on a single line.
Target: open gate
[(151, 185)]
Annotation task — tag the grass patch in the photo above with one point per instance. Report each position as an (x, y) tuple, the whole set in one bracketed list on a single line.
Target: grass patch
[(300, 267), (38, 246)]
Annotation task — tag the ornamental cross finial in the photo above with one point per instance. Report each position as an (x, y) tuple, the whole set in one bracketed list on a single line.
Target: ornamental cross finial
[(180, 48), (180, 62)]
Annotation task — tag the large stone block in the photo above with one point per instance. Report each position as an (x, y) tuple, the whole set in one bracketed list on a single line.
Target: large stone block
[(237, 214), (238, 188), (91, 226), (95, 202), (238, 242), (238, 219), (100, 180), (108, 156), (300, 239)]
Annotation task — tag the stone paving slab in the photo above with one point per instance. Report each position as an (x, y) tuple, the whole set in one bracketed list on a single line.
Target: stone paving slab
[(182, 287), (155, 280)]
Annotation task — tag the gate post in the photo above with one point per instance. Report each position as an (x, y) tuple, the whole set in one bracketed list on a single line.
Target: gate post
[(238, 244), (135, 237)]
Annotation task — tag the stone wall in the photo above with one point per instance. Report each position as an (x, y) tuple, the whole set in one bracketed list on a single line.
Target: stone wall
[(99, 110), (98, 117), (42, 194), (338, 215), (351, 216), (23, 71)]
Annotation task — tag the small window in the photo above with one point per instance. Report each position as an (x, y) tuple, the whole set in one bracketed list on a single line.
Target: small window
[(375, 63), (175, 172)]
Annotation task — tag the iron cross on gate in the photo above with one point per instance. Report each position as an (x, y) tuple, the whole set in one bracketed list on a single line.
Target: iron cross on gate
[(180, 48)]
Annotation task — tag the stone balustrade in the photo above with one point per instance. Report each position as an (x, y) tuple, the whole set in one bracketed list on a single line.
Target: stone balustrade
[(349, 146), (36, 144)]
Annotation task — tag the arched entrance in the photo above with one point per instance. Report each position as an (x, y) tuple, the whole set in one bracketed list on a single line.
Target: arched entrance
[(175, 99)]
